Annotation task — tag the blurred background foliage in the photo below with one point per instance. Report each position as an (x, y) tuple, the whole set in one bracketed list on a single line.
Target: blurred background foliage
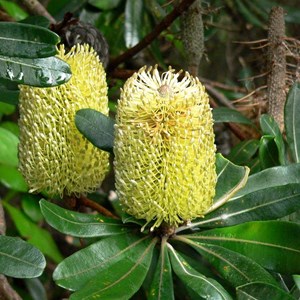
[(231, 68)]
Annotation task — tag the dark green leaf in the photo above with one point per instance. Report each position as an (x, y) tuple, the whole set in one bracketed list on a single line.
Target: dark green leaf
[(248, 14), (12, 178), (37, 20), (230, 178), (35, 235), (268, 152), (292, 121), (27, 41), (292, 15), (125, 217), (7, 109), (59, 8), (13, 10), (272, 244), (9, 91), (105, 4), (162, 284), (122, 279), (96, 127), (133, 22), (261, 291), (8, 148), (270, 178), (224, 114), (31, 208), (266, 204), (270, 127), (20, 259), (36, 289), (40, 72), (237, 269), (9, 96), (243, 152), (79, 224), (11, 126), (204, 287), (297, 280), (157, 11), (254, 165), (80, 268)]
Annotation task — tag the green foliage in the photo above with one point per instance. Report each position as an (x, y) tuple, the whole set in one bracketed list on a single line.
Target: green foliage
[(35, 235), (240, 249), (128, 255), (230, 179), (79, 224), (201, 285), (27, 57), (292, 122), (20, 259), (234, 251), (15, 40), (8, 148), (281, 252), (96, 127), (224, 114), (162, 281), (13, 10), (259, 290)]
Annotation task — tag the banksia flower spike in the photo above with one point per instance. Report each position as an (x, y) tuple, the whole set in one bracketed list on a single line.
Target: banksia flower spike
[(54, 156), (164, 148)]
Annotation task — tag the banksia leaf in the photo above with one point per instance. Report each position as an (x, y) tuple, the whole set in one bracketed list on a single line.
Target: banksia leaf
[(54, 156), (164, 148)]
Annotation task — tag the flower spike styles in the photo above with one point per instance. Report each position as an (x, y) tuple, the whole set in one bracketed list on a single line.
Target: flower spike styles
[(164, 148), (54, 156)]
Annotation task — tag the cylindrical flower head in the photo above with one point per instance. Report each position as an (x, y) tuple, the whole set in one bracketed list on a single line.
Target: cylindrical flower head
[(54, 156), (164, 148)]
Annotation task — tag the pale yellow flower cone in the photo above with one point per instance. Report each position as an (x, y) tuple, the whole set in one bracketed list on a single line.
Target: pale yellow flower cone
[(54, 156), (164, 148)]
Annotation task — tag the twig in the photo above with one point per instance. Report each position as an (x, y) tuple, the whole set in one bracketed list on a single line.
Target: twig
[(166, 21), (216, 94), (2, 220), (5, 17), (250, 94), (96, 206), (220, 85), (6, 291), (36, 8), (221, 26), (250, 42)]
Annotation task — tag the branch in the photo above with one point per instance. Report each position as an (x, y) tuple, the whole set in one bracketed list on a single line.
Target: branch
[(5, 17), (36, 8), (166, 21), (96, 206), (6, 291)]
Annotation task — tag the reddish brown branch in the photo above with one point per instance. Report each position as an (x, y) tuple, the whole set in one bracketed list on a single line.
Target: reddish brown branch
[(96, 206), (165, 23)]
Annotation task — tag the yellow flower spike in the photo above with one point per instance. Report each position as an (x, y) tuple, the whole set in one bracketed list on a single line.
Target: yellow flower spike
[(164, 148), (53, 155)]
